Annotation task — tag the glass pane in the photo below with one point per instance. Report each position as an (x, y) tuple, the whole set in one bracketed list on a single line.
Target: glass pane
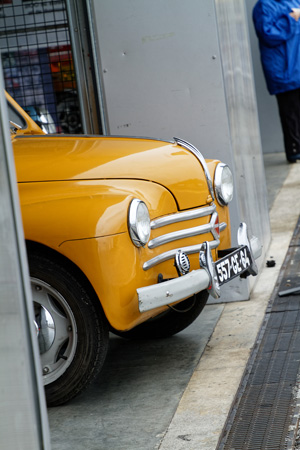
[(38, 63)]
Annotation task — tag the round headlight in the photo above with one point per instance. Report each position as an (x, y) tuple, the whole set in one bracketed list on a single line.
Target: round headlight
[(139, 223), (223, 184)]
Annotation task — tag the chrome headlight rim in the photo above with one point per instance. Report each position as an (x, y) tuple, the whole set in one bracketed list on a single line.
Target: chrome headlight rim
[(139, 222), (223, 183)]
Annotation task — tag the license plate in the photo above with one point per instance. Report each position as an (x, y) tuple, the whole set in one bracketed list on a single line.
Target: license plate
[(233, 265)]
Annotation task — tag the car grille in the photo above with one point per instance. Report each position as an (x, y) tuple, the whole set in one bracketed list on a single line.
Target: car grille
[(212, 226)]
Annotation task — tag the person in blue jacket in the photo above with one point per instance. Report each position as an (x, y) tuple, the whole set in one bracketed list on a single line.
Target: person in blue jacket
[(277, 26)]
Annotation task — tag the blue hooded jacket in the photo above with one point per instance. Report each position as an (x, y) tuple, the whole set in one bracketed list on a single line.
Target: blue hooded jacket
[(279, 42)]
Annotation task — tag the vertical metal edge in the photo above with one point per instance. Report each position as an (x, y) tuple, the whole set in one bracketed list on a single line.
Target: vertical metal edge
[(26, 304), (97, 67), (78, 65)]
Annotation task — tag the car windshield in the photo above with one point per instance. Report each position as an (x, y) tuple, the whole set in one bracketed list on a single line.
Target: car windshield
[(15, 119)]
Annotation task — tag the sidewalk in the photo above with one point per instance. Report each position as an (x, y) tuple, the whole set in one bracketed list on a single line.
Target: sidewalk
[(199, 419)]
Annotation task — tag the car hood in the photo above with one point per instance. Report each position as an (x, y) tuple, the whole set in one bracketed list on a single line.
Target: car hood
[(70, 158)]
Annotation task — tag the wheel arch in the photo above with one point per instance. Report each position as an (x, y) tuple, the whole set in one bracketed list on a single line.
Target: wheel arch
[(55, 256)]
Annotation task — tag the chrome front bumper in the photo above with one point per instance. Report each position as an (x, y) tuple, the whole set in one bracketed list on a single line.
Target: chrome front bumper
[(171, 291)]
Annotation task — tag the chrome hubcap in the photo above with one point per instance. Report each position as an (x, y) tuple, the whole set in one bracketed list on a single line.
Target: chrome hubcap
[(46, 328), (56, 330)]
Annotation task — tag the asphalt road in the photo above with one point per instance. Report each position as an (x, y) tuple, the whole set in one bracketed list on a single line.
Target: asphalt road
[(132, 403)]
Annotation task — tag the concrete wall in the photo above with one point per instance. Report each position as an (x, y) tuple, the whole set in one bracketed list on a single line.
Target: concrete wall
[(242, 115)]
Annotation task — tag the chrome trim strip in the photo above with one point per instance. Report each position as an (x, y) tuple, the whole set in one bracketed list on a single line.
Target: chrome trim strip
[(102, 136), (223, 226), (206, 263), (201, 159), (181, 217), (187, 232), (171, 254), (215, 227), (182, 234)]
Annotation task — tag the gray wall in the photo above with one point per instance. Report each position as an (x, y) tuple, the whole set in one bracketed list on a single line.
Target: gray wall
[(270, 128), (242, 115), (164, 74)]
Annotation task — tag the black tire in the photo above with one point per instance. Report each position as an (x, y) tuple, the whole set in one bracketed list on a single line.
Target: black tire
[(72, 330), (169, 322), (68, 111)]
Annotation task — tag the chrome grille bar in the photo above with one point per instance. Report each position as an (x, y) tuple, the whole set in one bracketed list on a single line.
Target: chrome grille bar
[(212, 227), (171, 254), (223, 225), (180, 217), (181, 234)]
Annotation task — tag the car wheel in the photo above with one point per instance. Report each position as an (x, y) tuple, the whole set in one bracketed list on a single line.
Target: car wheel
[(170, 322), (69, 115), (72, 331)]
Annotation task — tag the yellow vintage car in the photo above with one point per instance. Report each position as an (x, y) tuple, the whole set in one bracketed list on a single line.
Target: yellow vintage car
[(123, 234)]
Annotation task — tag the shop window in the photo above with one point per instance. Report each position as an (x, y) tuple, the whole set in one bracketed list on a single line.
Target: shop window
[(38, 64)]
